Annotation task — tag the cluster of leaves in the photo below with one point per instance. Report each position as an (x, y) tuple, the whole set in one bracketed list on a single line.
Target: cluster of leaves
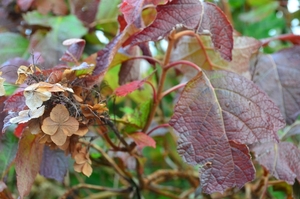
[(235, 99), (51, 108)]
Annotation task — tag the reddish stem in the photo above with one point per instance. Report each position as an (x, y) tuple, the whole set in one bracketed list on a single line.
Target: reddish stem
[(147, 58), (195, 66), (153, 89), (172, 89), (157, 127)]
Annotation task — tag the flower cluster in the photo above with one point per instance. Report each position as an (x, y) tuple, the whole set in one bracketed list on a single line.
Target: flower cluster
[(58, 109)]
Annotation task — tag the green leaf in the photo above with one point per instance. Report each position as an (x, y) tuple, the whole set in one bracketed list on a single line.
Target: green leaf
[(258, 2), (8, 150), (9, 88), (36, 18), (138, 119), (62, 28), (262, 27), (140, 115), (260, 13), (12, 45), (107, 16)]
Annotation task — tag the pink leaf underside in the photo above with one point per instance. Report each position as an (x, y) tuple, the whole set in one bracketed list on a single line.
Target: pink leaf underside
[(215, 117), (142, 140), (195, 15), (128, 88), (281, 160), (278, 75), (130, 70), (131, 9), (74, 51)]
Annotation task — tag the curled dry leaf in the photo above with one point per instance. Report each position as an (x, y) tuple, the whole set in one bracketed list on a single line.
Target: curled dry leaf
[(36, 94), (60, 125), (26, 115), (92, 111), (82, 160), (74, 51), (2, 90), (23, 72)]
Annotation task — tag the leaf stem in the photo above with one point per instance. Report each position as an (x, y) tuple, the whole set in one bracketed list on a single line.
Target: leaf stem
[(172, 89), (193, 34), (107, 157), (153, 89), (156, 101), (96, 187), (157, 127), (147, 58), (195, 66)]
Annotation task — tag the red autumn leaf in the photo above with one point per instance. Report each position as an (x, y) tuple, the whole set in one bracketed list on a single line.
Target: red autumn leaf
[(215, 117), (74, 51), (130, 70), (19, 129), (106, 55), (280, 159), (103, 60), (142, 140), (128, 88), (278, 75), (131, 9), (15, 102), (85, 10), (28, 162), (54, 164), (202, 17)]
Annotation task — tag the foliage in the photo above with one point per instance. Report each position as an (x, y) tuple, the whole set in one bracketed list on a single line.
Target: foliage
[(113, 101)]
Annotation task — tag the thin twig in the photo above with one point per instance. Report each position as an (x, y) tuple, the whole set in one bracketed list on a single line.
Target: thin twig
[(95, 187)]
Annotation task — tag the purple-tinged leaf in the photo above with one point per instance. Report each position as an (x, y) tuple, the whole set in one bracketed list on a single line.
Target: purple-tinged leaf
[(131, 9), (278, 75), (130, 70), (206, 58), (202, 17), (293, 130), (6, 121), (74, 51), (280, 159), (10, 67), (106, 55), (15, 103), (24, 4), (85, 10), (54, 164), (146, 51), (213, 114), (3, 113), (28, 160)]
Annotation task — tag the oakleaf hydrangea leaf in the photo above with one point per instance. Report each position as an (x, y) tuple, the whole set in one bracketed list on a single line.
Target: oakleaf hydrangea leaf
[(215, 117)]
